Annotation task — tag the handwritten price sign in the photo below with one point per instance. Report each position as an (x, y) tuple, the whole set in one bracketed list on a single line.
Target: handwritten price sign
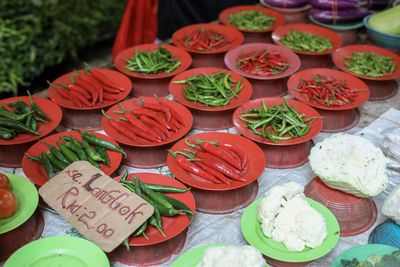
[(100, 208)]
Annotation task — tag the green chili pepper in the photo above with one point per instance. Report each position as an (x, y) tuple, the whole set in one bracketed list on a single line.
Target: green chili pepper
[(12, 116), (253, 20), (165, 188), (103, 153), (103, 143), (36, 108), (141, 229), (47, 165), (68, 153), (6, 135), (91, 153), (370, 64), (35, 158), (59, 165), (58, 154), (158, 61), (306, 41), (180, 206), (17, 125)]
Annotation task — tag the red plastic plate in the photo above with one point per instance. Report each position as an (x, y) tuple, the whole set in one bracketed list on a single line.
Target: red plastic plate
[(352, 82), (36, 172), (290, 56), (339, 55), (112, 75), (255, 166), (172, 226), (51, 109), (177, 90), (185, 114), (280, 19), (298, 106), (177, 54), (234, 37), (333, 37)]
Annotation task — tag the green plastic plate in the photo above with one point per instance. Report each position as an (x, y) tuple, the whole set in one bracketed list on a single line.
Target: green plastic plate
[(59, 251), (194, 255), (27, 201), (362, 252), (251, 230), (338, 27)]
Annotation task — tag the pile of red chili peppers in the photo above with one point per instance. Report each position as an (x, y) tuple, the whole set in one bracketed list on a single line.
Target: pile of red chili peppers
[(216, 162), (147, 122), (327, 91), (204, 40), (262, 63), (88, 89)]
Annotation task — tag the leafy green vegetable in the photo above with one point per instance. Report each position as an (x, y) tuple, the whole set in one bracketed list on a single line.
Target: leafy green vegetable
[(390, 260), (35, 34)]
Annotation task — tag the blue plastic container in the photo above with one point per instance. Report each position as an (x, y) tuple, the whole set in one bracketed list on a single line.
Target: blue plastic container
[(385, 40), (387, 233)]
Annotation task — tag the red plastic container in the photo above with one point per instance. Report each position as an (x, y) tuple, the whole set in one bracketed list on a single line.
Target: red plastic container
[(263, 36), (151, 154), (265, 86), (157, 249), (87, 117), (380, 88), (292, 15), (339, 118), (210, 118), (149, 255), (12, 151), (208, 58), (152, 84), (284, 153), (27, 232), (311, 59), (354, 214), (222, 198), (37, 173), (277, 263)]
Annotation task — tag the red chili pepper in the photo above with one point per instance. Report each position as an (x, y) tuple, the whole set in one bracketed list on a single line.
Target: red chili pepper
[(143, 128), (110, 97), (212, 171), (78, 89), (94, 84), (220, 153), (81, 98), (87, 86), (101, 78), (219, 165), (175, 115), (204, 39), (140, 134), (262, 63), (138, 110), (190, 167), (155, 124), (241, 153), (160, 108)]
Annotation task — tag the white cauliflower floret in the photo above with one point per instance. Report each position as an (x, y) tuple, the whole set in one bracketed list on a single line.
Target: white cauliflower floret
[(273, 201), (231, 256), (295, 223)]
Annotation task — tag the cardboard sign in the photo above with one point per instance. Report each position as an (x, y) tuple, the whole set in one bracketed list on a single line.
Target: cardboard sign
[(99, 207)]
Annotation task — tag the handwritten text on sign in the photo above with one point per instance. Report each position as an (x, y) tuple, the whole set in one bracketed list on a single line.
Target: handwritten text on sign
[(100, 208)]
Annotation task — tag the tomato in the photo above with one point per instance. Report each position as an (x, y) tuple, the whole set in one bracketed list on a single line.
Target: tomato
[(4, 182), (8, 203)]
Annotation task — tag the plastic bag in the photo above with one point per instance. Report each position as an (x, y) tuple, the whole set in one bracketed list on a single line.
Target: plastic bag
[(391, 206)]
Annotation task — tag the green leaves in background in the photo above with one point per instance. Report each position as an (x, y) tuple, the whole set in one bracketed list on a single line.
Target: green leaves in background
[(35, 34)]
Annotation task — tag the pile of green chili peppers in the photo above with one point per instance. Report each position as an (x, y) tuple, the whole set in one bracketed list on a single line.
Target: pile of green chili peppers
[(370, 64), (69, 149), (278, 122), (163, 205), (24, 118), (252, 20), (305, 41), (213, 90), (159, 61)]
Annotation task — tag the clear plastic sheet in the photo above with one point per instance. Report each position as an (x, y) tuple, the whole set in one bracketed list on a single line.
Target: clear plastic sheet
[(208, 228)]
